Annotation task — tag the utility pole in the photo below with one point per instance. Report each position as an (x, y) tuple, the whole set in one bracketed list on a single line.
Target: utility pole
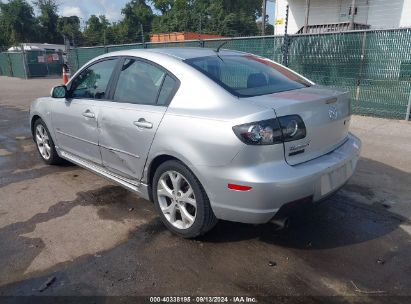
[(263, 19), (286, 45), (25, 66), (142, 35), (200, 26), (351, 27), (73, 42), (307, 15), (200, 31)]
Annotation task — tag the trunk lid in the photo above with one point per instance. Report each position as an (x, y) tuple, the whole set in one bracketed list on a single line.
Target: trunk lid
[(325, 112)]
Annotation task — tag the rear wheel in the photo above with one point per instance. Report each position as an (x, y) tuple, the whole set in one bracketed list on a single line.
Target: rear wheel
[(181, 200), (45, 144)]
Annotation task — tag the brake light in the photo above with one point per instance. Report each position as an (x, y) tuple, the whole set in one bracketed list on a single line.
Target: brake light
[(265, 132), (292, 127), (271, 131)]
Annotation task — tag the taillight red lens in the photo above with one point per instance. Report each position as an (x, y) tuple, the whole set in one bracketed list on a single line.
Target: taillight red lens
[(271, 131), (265, 132), (292, 127)]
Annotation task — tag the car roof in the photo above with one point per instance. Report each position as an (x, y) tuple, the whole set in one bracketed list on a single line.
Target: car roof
[(180, 52)]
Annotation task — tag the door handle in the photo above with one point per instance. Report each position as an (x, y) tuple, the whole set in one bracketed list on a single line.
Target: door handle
[(89, 114), (142, 123)]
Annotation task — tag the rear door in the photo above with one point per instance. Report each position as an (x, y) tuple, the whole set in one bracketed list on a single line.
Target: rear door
[(129, 122)]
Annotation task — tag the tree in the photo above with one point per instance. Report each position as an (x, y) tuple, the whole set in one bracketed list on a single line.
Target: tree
[(48, 19), (69, 27), (221, 17), (4, 35), (18, 21), (137, 14), (163, 5), (177, 16), (96, 30)]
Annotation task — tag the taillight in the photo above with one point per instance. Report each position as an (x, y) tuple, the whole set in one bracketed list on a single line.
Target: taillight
[(292, 127), (265, 132), (271, 131)]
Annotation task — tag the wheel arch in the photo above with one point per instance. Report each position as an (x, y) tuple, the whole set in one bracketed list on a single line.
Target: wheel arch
[(209, 219), (152, 168), (162, 158), (33, 120)]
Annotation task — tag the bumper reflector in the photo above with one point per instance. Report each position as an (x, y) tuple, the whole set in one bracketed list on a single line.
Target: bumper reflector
[(239, 187)]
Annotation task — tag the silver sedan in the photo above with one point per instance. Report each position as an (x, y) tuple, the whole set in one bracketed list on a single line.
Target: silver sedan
[(204, 134)]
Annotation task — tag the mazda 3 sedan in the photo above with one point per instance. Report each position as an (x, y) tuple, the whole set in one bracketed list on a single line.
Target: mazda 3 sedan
[(204, 134)]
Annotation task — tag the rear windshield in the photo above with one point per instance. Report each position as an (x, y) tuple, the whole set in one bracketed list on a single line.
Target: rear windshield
[(247, 76)]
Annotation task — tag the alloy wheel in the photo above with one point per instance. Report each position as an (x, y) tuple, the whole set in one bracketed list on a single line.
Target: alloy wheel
[(43, 142), (176, 199)]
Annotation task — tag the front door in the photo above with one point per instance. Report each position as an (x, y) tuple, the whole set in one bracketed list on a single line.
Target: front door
[(75, 119), (128, 124)]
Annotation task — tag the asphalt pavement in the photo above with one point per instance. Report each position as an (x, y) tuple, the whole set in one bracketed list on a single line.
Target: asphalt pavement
[(65, 231)]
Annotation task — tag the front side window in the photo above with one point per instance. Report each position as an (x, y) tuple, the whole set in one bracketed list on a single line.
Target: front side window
[(92, 83), (247, 75), (139, 82)]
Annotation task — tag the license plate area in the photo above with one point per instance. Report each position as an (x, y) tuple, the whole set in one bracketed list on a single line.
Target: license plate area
[(335, 178)]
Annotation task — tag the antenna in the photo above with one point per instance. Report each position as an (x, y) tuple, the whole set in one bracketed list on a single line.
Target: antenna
[(221, 45)]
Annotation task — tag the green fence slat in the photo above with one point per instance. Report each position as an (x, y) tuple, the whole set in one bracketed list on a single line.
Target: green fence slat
[(86, 54), (17, 65), (36, 68), (374, 65), (5, 67), (115, 48), (72, 60)]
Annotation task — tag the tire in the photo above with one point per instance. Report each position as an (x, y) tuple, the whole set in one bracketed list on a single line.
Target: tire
[(181, 201), (45, 144)]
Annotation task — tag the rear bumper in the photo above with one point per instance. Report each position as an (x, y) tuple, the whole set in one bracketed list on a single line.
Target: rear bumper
[(276, 184)]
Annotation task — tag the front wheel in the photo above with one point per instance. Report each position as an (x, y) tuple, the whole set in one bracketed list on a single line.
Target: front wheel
[(181, 201), (45, 144)]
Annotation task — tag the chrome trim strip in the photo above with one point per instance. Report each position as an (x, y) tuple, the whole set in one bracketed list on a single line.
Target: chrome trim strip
[(75, 137), (127, 183), (118, 150), (96, 144)]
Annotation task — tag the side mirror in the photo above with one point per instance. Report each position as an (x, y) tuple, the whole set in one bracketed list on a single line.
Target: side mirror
[(59, 92)]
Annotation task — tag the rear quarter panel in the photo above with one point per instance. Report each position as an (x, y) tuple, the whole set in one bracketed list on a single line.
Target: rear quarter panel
[(197, 126)]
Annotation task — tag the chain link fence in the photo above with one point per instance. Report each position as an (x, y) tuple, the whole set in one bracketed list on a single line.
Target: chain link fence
[(374, 65)]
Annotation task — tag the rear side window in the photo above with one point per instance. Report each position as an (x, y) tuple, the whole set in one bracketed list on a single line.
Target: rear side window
[(247, 76), (139, 82), (92, 82), (167, 91)]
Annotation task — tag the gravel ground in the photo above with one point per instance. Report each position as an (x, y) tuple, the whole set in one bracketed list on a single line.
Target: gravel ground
[(70, 232)]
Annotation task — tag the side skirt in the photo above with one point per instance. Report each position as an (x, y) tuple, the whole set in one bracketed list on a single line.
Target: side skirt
[(140, 188)]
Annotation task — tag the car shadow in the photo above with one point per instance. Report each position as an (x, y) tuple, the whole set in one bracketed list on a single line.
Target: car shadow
[(353, 215)]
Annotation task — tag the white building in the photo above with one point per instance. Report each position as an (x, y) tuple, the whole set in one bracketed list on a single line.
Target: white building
[(335, 15)]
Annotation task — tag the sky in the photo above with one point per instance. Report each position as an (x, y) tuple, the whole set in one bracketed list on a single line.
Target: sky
[(110, 8), (84, 8)]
